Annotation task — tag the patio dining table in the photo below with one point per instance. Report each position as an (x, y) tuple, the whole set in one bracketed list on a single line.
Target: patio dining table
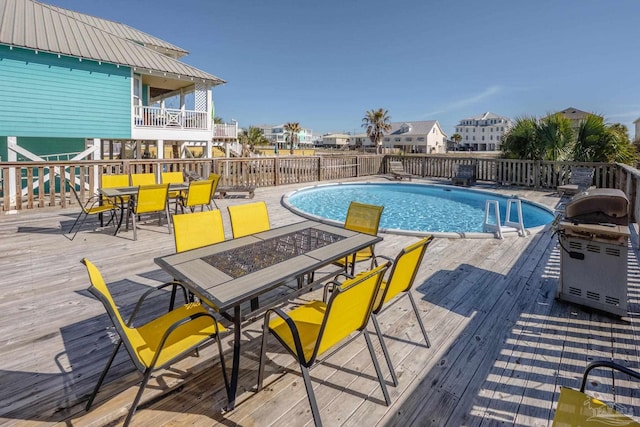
[(121, 194), (227, 274)]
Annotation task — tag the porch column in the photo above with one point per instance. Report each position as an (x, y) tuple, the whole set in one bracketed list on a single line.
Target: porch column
[(208, 147), (182, 107), (12, 156), (210, 109), (96, 155), (183, 147), (160, 147)]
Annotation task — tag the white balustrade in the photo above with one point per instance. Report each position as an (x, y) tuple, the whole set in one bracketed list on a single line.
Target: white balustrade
[(156, 117)]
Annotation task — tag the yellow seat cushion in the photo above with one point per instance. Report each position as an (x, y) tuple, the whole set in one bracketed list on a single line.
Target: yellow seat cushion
[(146, 339), (308, 319), (361, 255)]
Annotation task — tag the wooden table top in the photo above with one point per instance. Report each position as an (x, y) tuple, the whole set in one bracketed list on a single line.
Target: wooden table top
[(221, 290)]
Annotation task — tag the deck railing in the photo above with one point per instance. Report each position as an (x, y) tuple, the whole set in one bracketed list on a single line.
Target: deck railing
[(32, 185), (224, 130), (156, 117)]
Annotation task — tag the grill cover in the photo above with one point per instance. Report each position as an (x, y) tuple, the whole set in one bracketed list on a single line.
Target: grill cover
[(601, 205)]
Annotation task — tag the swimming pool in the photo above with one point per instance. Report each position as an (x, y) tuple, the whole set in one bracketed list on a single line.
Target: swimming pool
[(411, 208)]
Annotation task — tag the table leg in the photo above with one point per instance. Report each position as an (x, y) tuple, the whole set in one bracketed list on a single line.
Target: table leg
[(235, 368), (122, 209)]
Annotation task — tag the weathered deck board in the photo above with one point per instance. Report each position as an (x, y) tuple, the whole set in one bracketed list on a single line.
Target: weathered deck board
[(501, 344)]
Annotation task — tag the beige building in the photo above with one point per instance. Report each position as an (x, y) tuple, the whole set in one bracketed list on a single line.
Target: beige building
[(574, 115), (637, 134), (335, 140)]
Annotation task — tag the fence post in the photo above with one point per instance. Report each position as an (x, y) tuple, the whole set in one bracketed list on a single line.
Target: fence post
[(12, 156), (319, 168), (96, 155)]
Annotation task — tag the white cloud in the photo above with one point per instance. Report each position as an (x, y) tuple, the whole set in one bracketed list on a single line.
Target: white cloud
[(624, 116), (473, 99)]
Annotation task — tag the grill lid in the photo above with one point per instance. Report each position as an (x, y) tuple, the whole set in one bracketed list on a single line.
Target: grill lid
[(601, 205)]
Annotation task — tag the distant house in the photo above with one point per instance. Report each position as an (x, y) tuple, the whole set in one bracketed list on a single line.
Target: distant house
[(637, 133), (277, 135), (414, 137), (72, 81), (574, 115), (360, 140), (336, 140), (483, 132)]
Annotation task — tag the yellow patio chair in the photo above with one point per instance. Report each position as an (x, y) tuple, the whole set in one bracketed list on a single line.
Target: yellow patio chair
[(215, 179), (115, 181), (363, 218), (195, 230), (173, 178), (160, 342), (399, 282), (249, 218), (198, 229), (310, 330), (93, 206), (138, 179), (577, 409), (150, 199), (199, 194)]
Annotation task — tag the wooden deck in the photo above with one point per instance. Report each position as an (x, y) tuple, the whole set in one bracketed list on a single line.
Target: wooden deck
[(501, 344)]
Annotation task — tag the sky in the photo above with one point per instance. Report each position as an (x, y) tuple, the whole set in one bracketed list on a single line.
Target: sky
[(325, 63)]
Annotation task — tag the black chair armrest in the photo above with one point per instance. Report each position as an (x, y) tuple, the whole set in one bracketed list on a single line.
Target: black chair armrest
[(607, 364)]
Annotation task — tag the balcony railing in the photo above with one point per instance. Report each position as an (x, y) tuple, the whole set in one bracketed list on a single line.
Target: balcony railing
[(169, 118), (223, 130)]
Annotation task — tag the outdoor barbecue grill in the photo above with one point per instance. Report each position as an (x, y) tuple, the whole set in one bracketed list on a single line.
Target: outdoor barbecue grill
[(593, 237)]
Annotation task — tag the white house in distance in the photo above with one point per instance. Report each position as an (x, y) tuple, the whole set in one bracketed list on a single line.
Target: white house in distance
[(277, 135), (412, 137), (637, 134), (483, 132)]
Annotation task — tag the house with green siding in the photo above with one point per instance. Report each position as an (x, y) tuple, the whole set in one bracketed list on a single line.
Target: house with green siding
[(70, 81)]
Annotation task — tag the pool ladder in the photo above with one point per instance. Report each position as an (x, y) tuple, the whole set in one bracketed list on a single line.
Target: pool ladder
[(509, 225)]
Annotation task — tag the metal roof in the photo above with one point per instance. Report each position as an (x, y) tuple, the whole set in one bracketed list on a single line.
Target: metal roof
[(414, 128), (121, 30), (33, 25)]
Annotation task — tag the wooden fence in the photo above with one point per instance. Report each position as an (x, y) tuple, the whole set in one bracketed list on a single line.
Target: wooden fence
[(32, 185)]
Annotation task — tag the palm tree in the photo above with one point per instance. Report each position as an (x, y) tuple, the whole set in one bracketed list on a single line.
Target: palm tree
[(598, 142), (251, 137), (556, 136), (521, 141), (456, 138), (376, 122), (292, 129)]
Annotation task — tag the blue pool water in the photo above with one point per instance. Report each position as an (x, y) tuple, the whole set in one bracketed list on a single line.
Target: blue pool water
[(411, 207)]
